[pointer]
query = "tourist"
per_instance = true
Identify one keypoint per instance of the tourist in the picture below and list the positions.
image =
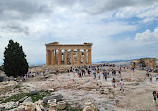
(114, 72)
(89, 72)
(85, 70)
(157, 77)
(119, 73)
(68, 71)
(121, 86)
(94, 73)
(120, 68)
(154, 96)
(24, 78)
(43, 72)
(105, 75)
(98, 73)
(147, 73)
(20, 81)
(82, 71)
(74, 72)
(80, 75)
(150, 78)
(113, 82)
(108, 71)
(133, 69)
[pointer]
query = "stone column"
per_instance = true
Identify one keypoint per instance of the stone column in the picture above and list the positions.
(85, 58)
(48, 57)
(55, 62)
(59, 57)
(65, 57)
(78, 57)
(52, 58)
(89, 57)
(72, 57)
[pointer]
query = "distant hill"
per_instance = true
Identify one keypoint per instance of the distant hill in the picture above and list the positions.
(118, 62)
(121, 62)
(114, 61)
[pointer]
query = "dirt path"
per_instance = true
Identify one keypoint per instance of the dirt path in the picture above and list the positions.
(139, 98)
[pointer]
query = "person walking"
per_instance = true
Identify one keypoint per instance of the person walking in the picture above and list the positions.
(98, 73)
(94, 73)
(113, 82)
(147, 73)
(121, 86)
(154, 97)
(68, 71)
(89, 72)
(105, 75)
(74, 72)
(150, 76)
(157, 77)
(119, 73)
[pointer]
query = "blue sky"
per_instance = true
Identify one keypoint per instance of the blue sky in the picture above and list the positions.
(118, 29)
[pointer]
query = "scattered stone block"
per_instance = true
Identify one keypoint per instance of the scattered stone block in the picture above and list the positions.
(22, 99)
(29, 99)
(61, 105)
(58, 97)
(33, 91)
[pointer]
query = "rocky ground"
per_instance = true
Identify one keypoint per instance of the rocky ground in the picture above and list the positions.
(77, 91)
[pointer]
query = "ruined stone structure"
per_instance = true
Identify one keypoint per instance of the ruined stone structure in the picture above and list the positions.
(143, 63)
(68, 54)
(149, 62)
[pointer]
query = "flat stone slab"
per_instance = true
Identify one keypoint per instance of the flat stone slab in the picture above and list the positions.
(58, 97)
(22, 99)
(29, 99)
(33, 91)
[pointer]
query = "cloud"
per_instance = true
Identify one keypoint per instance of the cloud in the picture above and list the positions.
(149, 15)
(15, 16)
(22, 9)
(96, 7)
(147, 36)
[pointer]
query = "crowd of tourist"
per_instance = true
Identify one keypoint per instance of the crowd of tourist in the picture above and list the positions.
(99, 72)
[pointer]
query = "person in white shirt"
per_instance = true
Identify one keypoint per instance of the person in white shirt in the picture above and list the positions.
(74, 72)
(121, 86)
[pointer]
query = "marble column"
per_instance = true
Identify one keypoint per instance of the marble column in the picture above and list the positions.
(55, 54)
(89, 57)
(78, 57)
(59, 57)
(85, 58)
(52, 58)
(48, 57)
(65, 57)
(72, 57)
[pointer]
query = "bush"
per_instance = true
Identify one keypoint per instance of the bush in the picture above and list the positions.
(35, 98)
(15, 97)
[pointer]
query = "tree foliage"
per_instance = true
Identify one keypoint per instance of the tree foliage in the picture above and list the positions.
(1, 68)
(15, 63)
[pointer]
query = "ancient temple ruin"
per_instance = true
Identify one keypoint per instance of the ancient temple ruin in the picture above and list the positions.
(68, 54)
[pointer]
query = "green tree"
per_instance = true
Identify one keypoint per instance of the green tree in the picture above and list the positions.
(1, 68)
(15, 63)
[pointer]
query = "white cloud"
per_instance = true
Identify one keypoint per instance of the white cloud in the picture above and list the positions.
(147, 36)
